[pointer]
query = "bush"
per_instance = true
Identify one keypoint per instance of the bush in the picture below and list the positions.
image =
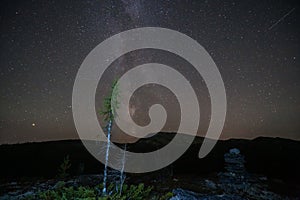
(167, 196)
(64, 167)
(132, 192)
(67, 193)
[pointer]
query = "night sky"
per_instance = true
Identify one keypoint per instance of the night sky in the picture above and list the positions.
(255, 45)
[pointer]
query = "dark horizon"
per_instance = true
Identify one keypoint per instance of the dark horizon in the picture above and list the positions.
(133, 141)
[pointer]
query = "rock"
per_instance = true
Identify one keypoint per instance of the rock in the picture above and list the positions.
(210, 184)
(6, 197)
(234, 165)
(236, 180)
(59, 185)
(89, 180)
(180, 194)
(26, 194)
(234, 151)
(263, 178)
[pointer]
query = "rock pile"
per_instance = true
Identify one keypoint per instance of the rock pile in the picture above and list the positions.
(237, 181)
(236, 173)
(234, 183)
(234, 162)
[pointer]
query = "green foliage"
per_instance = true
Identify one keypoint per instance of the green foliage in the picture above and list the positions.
(64, 167)
(66, 193)
(132, 192)
(167, 196)
(111, 103)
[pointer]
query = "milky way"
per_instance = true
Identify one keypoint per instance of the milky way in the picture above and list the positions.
(255, 45)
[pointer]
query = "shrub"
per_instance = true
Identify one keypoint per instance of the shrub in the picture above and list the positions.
(64, 167)
(132, 192)
(166, 196)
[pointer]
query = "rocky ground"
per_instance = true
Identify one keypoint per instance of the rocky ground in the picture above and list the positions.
(232, 183)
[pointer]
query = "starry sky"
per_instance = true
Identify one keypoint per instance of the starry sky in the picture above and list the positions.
(255, 45)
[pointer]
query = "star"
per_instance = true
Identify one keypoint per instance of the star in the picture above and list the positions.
(255, 48)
